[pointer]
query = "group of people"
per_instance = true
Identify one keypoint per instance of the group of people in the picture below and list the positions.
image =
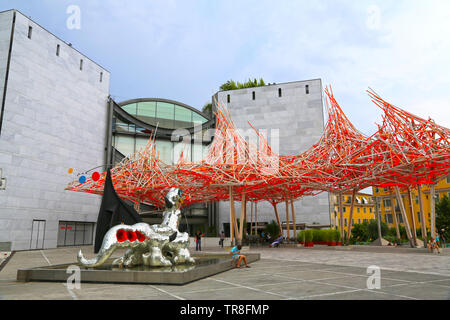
(435, 244)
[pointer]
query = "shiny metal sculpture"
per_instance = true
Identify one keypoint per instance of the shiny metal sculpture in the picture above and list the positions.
(158, 245)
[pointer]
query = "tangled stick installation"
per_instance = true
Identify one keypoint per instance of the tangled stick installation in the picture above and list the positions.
(405, 151)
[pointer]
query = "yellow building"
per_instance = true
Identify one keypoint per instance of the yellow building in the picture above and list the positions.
(383, 200)
(363, 210)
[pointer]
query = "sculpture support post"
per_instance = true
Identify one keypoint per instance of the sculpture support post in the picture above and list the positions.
(341, 217)
(293, 220)
(241, 221)
(405, 218)
(432, 212)
(394, 216)
(287, 221)
(413, 220)
(423, 223)
(278, 218)
(349, 230)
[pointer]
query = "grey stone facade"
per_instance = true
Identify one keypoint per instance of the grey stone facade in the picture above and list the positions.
(299, 118)
(54, 118)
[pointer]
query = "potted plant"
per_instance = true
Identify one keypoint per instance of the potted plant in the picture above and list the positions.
(338, 238)
(326, 236)
(301, 237)
(332, 238)
(309, 236)
(316, 236)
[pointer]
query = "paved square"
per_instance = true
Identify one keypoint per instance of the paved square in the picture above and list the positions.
(281, 274)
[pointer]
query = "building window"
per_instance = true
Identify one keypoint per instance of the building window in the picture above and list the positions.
(448, 179)
(279, 95)
(364, 210)
(418, 216)
(101, 76)
(30, 31)
(81, 64)
(307, 89)
(370, 210)
(228, 98)
(57, 50)
(357, 210)
(345, 222)
(377, 190)
(387, 203)
(253, 95)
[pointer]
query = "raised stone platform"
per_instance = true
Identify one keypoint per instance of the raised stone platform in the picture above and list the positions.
(206, 265)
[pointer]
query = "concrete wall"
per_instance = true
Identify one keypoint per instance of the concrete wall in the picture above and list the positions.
(299, 118)
(54, 119)
(6, 19)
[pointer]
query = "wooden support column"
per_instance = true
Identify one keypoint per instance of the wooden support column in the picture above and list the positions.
(405, 218)
(350, 217)
(278, 218)
(341, 217)
(293, 220)
(413, 219)
(256, 218)
(287, 221)
(251, 218)
(423, 220)
(394, 216)
(432, 212)
(233, 223)
(241, 221)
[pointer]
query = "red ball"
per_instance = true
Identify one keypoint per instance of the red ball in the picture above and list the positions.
(95, 176)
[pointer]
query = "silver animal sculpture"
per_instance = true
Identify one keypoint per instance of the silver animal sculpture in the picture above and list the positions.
(158, 245)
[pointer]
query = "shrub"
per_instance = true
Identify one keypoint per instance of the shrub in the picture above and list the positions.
(337, 235)
(327, 235)
(273, 229)
(301, 236)
(317, 234)
(309, 236)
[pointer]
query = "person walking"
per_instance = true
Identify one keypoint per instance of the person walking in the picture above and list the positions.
(198, 240)
(222, 238)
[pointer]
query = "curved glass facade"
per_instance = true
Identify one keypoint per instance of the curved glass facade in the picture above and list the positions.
(129, 137)
(164, 114)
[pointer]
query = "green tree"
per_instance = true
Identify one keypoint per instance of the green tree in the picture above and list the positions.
(232, 85)
(443, 216)
(372, 229)
(273, 229)
(207, 109)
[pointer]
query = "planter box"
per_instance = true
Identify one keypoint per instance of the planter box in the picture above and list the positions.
(332, 244)
(339, 243)
(309, 244)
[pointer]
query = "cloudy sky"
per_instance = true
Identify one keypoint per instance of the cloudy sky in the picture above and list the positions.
(184, 50)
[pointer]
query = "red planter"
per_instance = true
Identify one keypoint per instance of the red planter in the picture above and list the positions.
(332, 244)
(309, 244)
(301, 242)
(339, 243)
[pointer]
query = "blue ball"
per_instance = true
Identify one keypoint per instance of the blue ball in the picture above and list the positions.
(82, 179)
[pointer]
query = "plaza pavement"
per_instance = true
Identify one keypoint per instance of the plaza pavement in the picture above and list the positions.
(282, 273)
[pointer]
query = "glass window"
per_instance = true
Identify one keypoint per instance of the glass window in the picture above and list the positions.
(387, 202)
(165, 114)
(197, 152)
(141, 142)
(196, 118)
(165, 150)
(130, 108)
(183, 117)
(124, 144)
(146, 111)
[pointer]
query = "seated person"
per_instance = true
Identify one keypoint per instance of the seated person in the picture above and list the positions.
(277, 242)
(238, 257)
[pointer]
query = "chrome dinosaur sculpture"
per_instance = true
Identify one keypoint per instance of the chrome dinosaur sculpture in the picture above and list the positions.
(158, 245)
